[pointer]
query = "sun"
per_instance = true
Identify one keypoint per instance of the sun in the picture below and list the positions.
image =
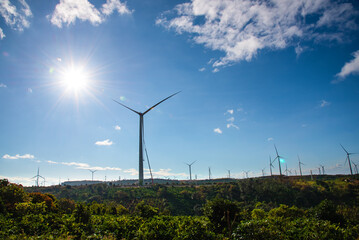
(75, 79)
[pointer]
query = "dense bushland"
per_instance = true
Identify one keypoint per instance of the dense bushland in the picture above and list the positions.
(271, 208)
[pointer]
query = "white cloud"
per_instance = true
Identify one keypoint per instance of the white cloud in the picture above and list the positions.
(76, 164)
(2, 35)
(86, 166)
(29, 90)
(217, 130)
(324, 103)
(2, 85)
(165, 173)
(202, 69)
(17, 19)
(67, 11)
(232, 125)
(106, 142)
(241, 28)
(230, 111)
(18, 156)
(112, 5)
(103, 168)
(270, 139)
(351, 67)
(131, 171)
(117, 127)
(231, 119)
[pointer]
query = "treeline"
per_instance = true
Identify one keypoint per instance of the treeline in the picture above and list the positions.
(188, 199)
(250, 209)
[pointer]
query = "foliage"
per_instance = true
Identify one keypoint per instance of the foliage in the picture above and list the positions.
(249, 209)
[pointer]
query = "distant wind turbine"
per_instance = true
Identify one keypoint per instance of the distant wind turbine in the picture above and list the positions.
(356, 167)
(271, 165)
(38, 176)
(286, 170)
(263, 171)
(190, 169)
(300, 167)
(141, 114)
(319, 171)
(279, 158)
(246, 173)
(323, 172)
(209, 173)
(348, 159)
(229, 173)
(92, 172)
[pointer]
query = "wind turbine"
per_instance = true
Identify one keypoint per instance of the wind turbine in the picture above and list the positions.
(38, 176)
(348, 158)
(356, 167)
(209, 173)
(92, 172)
(246, 173)
(319, 171)
(190, 169)
(323, 172)
(286, 170)
(229, 173)
(278, 157)
(142, 114)
(300, 167)
(263, 171)
(271, 165)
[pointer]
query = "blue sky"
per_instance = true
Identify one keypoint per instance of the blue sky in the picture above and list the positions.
(252, 74)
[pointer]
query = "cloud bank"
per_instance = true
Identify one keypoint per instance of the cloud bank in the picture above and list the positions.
(241, 28)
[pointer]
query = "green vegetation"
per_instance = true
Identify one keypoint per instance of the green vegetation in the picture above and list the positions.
(263, 208)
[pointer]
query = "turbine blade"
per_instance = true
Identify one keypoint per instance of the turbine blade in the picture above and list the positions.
(127, 107)
(193, 162)
(159, 103)
(344, 149)
(276, 150)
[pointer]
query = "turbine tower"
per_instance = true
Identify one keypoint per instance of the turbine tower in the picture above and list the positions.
(92, 172)
(246, 173)
(300, 167)
(190, 169)
(323, 172)
(263, 171)
(229, 173)
(38, 176)
(142, 114)
(209, 173)
(278, 157)
(356, 167)
(271, 165)
(348, 159)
